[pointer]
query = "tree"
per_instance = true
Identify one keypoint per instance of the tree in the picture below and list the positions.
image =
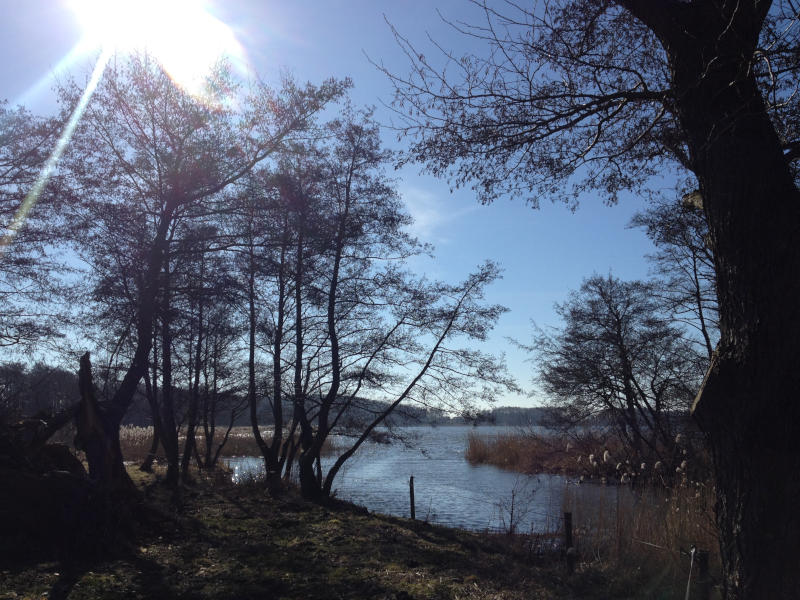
(27, 281)
(378, 331)
(264, 225)
(144, 142)
(619, 357)
(684, 266)
(222, 382)
(602, 95)
(331, 309)
(35, 390)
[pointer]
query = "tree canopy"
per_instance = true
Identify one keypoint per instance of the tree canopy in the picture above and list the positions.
(572, 97)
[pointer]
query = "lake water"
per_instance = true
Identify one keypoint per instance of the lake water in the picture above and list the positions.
(448, 490)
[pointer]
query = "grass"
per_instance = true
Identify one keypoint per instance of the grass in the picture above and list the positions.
(648, 532)
(216, 540)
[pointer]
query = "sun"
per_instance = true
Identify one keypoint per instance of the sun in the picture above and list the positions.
(183, 35)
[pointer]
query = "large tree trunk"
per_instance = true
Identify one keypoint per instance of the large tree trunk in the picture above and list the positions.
(748, 406)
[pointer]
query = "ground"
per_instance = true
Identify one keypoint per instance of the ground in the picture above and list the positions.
(222, 541)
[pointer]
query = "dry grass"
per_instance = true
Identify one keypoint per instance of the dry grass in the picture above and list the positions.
(646, 533)
(634, 535)
(136, 441)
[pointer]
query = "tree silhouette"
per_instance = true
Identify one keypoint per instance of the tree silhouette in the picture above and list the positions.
(619, 357)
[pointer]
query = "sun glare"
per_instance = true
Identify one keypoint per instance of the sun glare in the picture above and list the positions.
(182, 35)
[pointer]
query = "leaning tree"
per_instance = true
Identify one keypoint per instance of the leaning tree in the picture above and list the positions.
(574, 96)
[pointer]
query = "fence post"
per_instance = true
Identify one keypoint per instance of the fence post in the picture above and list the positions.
(411, 494)
(570, 549)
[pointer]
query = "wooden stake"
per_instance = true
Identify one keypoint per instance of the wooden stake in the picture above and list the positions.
(411, 494)
(570, 550)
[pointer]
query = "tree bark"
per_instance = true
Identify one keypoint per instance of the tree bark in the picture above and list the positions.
(273, 459)
(189, 446)
(308, 483)
(748, 406)
(151, 390)
(251, 356)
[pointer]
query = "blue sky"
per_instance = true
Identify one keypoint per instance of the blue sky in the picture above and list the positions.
(545, 253)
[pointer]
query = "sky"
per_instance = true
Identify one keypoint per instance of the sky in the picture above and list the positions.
(545, 253)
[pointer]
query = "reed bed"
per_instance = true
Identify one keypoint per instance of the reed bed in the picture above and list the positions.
(525, 452)
(642, 531)
(136, 441)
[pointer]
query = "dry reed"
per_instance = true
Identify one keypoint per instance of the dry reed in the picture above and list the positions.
(531, 453)
(136, 442)
(635, 533)
(646, 534)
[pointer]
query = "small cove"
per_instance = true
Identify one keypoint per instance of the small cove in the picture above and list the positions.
(448, 490)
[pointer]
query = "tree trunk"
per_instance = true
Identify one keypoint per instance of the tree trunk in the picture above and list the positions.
(273, 462)
(209, 402)
(169, 432)
(147, 464)
(748, 406)
(98, 435)
(151, 390)
(189, 447)
(251, 356)
(308, 483)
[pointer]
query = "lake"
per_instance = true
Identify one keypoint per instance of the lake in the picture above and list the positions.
(448, 490)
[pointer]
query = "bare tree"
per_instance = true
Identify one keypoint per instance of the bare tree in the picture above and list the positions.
(367, 327)
(684, 266)
(339, 319)
(573, 96)
(619, 358)
(28, 282)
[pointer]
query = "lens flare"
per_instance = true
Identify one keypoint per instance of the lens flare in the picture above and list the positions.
(47, 170)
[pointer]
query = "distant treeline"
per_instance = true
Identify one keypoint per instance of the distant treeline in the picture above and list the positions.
(26, 391)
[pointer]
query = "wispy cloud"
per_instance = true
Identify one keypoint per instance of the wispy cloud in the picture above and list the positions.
(431, 214)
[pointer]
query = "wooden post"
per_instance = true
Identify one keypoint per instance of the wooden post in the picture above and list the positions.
(411, 494)
(569, 548)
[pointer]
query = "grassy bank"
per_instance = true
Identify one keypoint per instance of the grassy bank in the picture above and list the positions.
(219, 541)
